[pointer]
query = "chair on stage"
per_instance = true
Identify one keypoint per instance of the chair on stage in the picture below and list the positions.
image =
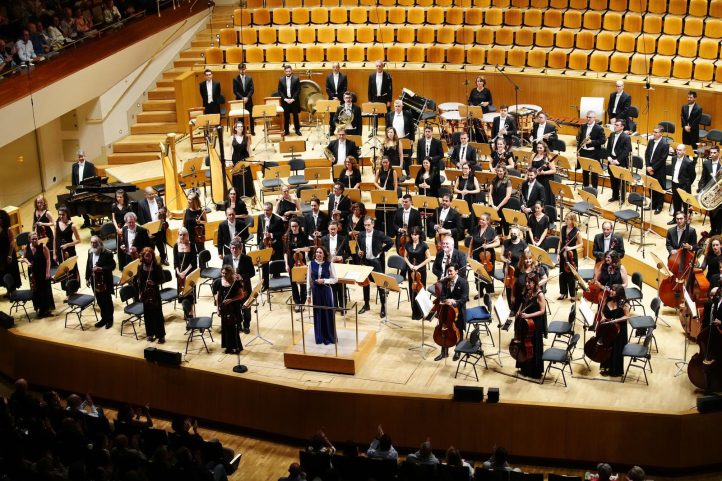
(195, 132)
(78, 302)
(277, 284)
(563, 329)
(550, 244)
(555, 355)
(398, 263)
(198, 327)
(133, 309)
(589, 207)
(480, 316)
(562, 477)
(18, 298)
(639, 355)
(168, 294)
(471, 352)
(634, 293)
(641, 324)
(208, 274)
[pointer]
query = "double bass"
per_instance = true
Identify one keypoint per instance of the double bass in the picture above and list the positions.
(705, 367)
(446, 334)
(680, 267)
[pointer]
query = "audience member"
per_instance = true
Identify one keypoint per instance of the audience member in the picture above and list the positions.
(26, 50)
(57, 38)
(635, 474)
(453, 458)
(381, 447)
(498, 461)
(604, 473)
(295, 473)
(424, 455)
(67, 24)
(111, 14)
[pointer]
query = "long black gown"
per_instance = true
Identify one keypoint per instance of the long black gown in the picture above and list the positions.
(497, 196)
(43, 301)
(243, 183)
(615, 365)
(535, 366)
(150, 296)
(231, 316)
(350, 181)
(416, 256)
(544, 180)
(537, 227)
(385, 212)
(65, 237)
(181, 261)
(45, 232)
(8, 266)
(190, 221)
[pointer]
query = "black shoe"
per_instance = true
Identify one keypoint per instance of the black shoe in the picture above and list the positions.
(161, 340)
(440, 357)
(109, 325)
(364, 309)
(165, 262)
(100, 324)
(613, 199)
(671, 222)
(456, 356)
(286, 132)
(476, 297)
(151, 339)
(383, 313)
(298, 132)
(246, 330)
(657, 211)
(253, 132)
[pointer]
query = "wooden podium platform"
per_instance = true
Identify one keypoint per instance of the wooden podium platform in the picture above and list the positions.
(319, 357)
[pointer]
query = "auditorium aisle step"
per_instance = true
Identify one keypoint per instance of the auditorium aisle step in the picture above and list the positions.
(162, 93)
(139, 143)
(159, 105)
(132, 157)
(153, 128)
(157, 116)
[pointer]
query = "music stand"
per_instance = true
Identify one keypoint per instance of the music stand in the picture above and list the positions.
(541, 256)
(152, 227)
(585, 287)
(591, 165)
(372, 110)
(425, 204)
(425, 306)
(240, 169)
(128, 272)
(259, 258)
(390, 201)
(502, 312)
(323, 108)
(516, 182)
(193, 168)
(515, 217)
(480, 209)
(308, 194)
(64, 269)
(625, 175)
(276, 173)
(461, 206)
(265, 112)
(252, 301)
(190, 283)
(317, 174)
(563, 193)
(480, 275)
(291, 147)
(387, 284)
(452, 174)
(651, 183)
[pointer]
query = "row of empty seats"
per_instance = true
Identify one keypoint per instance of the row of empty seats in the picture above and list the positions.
(577, 60)
(624, 42)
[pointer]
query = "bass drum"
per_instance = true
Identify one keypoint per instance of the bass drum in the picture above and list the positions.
(310, 94)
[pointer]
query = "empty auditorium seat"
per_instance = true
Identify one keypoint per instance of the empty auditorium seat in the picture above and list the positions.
(248, 36)
(435, 16)
(647, 44)
(456, 55)
(563, 39)
(314, 53)
(473, 16)
(606, 41)
(652, 24)
(454, 16)
(612, 21)
(358, 15)
(682, 68)
(241, 17)
(496, 56)
(598, 5)
(377, 15)
(516, 57)
(708, 48)
(301, 16)
(633, 22)
(325, 34)
(335, 53)
(435, 54)
(552, 18)
(619, 5)
(416, 54)
(661, 66)
(557, 59)
(306, 34)
(274, 54)
(599, 62)
(213, 56)
(294, 53)
(584, 40)
(572, 19)
(261, 16)
(281, 16)
(234, 55)
(339, 15)
(504, 36)
(355, 53)
(319, 15)
(592, 20)
(253, 54)
(541, 4)
(640, 64)
(559, 4)
(513, 17)
(693, 26)
(476, 56)
(406, 34)
(493, 16)
(672, 25)
(520, 3)
(524, 37)
(715, 9)
(619, 63)
(657, 6)
(465, 35)
(287, 35)
(485, 36)
(578, 4)
(396, 15)
(713, 28)
(703, 70)
(625, 42)
(375, 52)
(545, 38)
(425, 34)
(416, 16)
(667, 45)
(445, 34)
(228, 37)
(345, 34)
(533, 17)
(395, 54)
(687, 47)
(677, 7)
(536, 58)
(578, 60)
(385, 34)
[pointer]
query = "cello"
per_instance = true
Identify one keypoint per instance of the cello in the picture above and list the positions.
(521, 348)
(599, 347)
(705, 367)
(446, 334)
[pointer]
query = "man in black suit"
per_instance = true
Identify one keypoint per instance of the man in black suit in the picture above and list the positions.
(711, 168)
(430, 147)
(464, 153)
(343, 147)
(401, 121)
(243, 90)
(229, 230)
(336, 85)
(243, 267)
(590, 141)
(681, 236)
(211, 94)
(655, 158)
(149, 210)
(619, 148)
(543, 131)
(82, 170)
(691, 115)
(270, 226)
(531, 192)
(347, 106)
(446, 256)
(618, 105)
(406, 217)
(504, 125)
(135, 238)
(100, 267)
(371, 247)
(289, 89)
(607, 241)
(455, 293)
(316, 221)
(447, 221)
(380, 86)
(338, 251)
(339, 203)
(683, 174)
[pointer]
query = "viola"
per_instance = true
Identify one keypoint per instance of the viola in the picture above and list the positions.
(199, 231)
(417, 285)
(163, 217)
(509, 274)
(403, 239)
(100, 285)
(595, 292)
(446, 334)
(298, 259)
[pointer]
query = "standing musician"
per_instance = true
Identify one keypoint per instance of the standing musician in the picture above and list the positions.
(236, 203)
(211, 94)
(243, 179)
(607, 241)
(428, 180)
(655, 158)
(355, 222)
(681, 236)
(454, 292)
(431, 148)
(134, 239)
(8, 254)
(530, 317)
(464, 153)
(66, 238)
(371, 247)
(531, 191)
(417, 257)
(514, 248)
(270, 234)
(683, 175)
(406, 218)
(336, 86)
(611, 272)
(619, 147)
(243, 271)
(289, 89)
(467, 187)
(121, 206)
(619, 104)
(380, 87)
(504, 125)
(484, 241)
(99, 277)
(150, 209)
(528, 265)
(590, 140)
(147, 282)
(296, 246)
(348, 108)
(502, 155)
(546, 168)
(570, 242)
(243, 90)
(480, 95)
(446, 256)
(316, 221)
(195, 220)
(386, 179)
(615, 308)
(43, 224)
(287, 205)
(339, 204)
(350, 176)
(712, 258)
(228, 300)
(185, 261)
(342, 148)
(501, 190)
(710, 170)
(538, 224)
(543, 131)
(37, 258)
(401, 121)
(691, 115)
(230, 229)
(447, 221)
(82, 170)
(392, 147)
(338, 252)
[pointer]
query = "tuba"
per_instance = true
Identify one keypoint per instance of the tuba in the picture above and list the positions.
(710, 197)
(344, 119)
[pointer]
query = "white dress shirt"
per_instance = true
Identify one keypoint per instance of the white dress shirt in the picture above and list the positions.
(153, 207)
(81, 168)
(588, 135)
(616, 101)
(332, 241)
(131, 238)
(369, 247)
(379, 80)
(398, 124)
(288, 86)
(209, 89)
(677, 168)
(341, 157)
(540, 131)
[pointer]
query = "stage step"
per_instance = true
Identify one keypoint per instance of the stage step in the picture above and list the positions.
(187, 62)
(157, 116)
(192, 53)
(164, 83)
(153, 128)
(203, 43)
(156, 105)
(132, 157)
(172, 73)
(138, 143)
(162, 93)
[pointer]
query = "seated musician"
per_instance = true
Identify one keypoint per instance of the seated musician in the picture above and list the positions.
(417, 256)
(454, 292)
(151, 209)
(147, 283)
(270, 235)
(134, 239)
(504, 125)
(616, 307)
(484, 241)
(447, 220)
(529, 319)
(527, 265)
(532, 191)
(99, 277)
(348, 108)
(538, 224)
(543, 131)
(82, 170)
(316, 221)
(606, 241)
(343, 147)
(570, 242)
(500, 194)
(339, 204)
(350, 177)
(287, 205)
(372, 245)
(296, 242)
(185, 261)
(338, 250)
(464, 153)
(446, 256)
(431, 148)
(611, 272)
(681, 236)
(712, 257)
(502, 155)
(428, 180)
(243, 268)
(230, 229)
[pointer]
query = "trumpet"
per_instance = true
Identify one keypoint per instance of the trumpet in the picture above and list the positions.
(581, 144)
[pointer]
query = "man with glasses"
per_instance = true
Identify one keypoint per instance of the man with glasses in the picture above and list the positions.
(211, 94)
(229, 230)
(343, 147)
(371, 247)
(590, 141)
(681, 236)
(655, 158)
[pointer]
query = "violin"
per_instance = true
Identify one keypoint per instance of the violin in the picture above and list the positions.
(446, 334)
(403, 239)
(521, 347)
(509, 274)
(163, 217)
(298, 259)
(199, 231)
(569, 261)
(99, 281)
(148, 295)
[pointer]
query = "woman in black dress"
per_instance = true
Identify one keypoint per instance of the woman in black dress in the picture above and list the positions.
(531, 314)
(538, 224)
(484, 240)
(615, 308)
(43, 225)
(480, 95)
(234, 200)
(243, 181)
(500, 195)
(386, 179)
(350, 176)
(296, 241)
(546, 167)
(37, 257)
(513, 249)
(185, 261)
(527, 265)
(417, 257)
(121, 206)
(66, 238)
(287, 205)
(428, 180)
(228, 300)
(355, 223)
(392, 147)
(467, 187)
(611, 272)
(195, 220)
(712, 257)
(8, 256)
(148, 281)
(570, 242)
(502, 155)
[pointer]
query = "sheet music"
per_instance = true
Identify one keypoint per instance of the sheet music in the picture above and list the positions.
(586, 311)
(502, 309)
(423, 299)
(690, 303)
